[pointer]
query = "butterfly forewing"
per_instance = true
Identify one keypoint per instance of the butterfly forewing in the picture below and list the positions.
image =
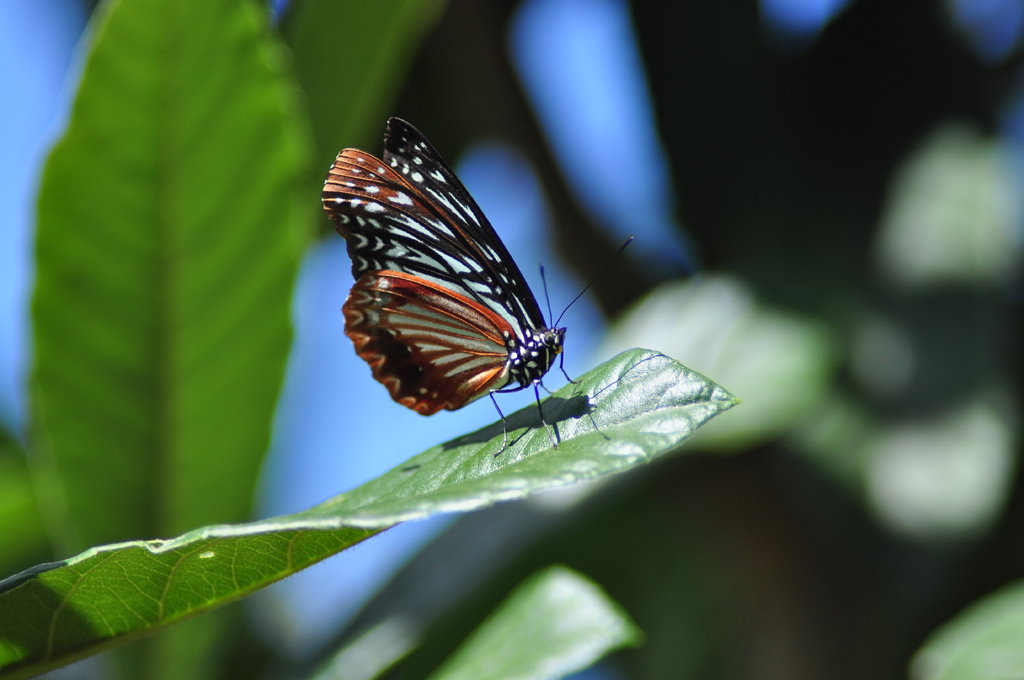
(411, 213)
(386, 224)
(409, 152)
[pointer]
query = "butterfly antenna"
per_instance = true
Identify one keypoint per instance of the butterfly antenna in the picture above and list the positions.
(599, 275)
(544, 282)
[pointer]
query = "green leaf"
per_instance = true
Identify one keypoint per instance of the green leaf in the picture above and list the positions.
(170, 230)
(23, 538)
(351, 60)
(780, 362)
(986, 642)
(556, 623)
(169, 237)
(643, 402)
(953, 212)
(62, 612)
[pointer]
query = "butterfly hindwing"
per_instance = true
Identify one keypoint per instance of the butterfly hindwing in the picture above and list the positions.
(431, 347)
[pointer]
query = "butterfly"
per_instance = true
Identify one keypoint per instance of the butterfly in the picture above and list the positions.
(439, 310)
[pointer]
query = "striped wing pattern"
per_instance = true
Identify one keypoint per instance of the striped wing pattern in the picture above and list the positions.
(439, 310)
(431, 347)
(410, 213)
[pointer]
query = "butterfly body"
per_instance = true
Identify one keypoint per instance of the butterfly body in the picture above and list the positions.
(439, 310)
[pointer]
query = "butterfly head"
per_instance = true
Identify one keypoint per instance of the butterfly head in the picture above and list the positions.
(553, 338)
(529, 360)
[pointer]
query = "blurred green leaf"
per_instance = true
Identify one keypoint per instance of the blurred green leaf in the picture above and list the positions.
(556, 623)
(372, 653)
(948, 476)
(23, 538)
(985, 642)
(835, 435)
(169, 237)
(170, 229)
(779, 363)
(642, 401)
(351, 59)
(954, 212)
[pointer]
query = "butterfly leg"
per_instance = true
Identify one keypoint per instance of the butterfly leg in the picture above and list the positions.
(561, 367)
(504, 425)
(540, 410)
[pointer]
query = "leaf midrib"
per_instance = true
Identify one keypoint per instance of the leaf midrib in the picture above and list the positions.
(167, 333)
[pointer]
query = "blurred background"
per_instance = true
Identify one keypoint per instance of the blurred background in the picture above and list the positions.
(829, 218)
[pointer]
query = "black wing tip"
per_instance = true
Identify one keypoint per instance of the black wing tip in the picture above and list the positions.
(401, 135)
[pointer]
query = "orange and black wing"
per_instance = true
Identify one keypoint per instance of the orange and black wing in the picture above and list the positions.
(431, 347)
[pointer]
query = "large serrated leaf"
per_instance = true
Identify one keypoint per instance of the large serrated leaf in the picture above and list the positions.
(643, 403)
